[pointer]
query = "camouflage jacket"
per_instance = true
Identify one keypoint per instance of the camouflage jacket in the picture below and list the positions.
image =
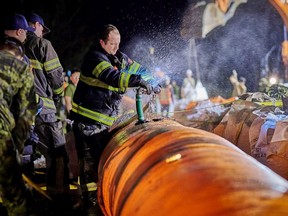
(17, 99)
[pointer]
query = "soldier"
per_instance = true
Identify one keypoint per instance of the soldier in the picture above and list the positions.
(17, 111)
(16, 26)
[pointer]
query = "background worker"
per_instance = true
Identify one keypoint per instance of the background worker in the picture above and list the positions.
(70, 89)
(166, 99)
(49, 79)
(239, 86)
(69, 93)
(106, 73)
(242, 86)
(188, 92)
(17, 111)
(176, 90)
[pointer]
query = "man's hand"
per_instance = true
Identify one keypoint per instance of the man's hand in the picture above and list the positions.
(146, 85)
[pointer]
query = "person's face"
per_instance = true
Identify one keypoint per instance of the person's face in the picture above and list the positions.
(75, 78)
(38, 29)
(21, 35)
(112, 44)
(223, 5)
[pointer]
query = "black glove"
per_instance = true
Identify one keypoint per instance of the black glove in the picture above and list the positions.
(146, 85)
(34, 138)
(157, 89)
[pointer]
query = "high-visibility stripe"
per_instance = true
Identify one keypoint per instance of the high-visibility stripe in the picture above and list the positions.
(52, 64)
(36, 64)
(271, 103)
(124, 80)
(59, 91)
(134, 67)
(107, 120)
(48, 103)
(37, 98)
(48, 66)
(92, 186)
(97, 83)
(101, 67)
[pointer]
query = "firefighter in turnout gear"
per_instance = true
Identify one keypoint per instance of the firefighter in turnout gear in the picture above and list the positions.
(49, 80)
(106, 73)
(17, 111)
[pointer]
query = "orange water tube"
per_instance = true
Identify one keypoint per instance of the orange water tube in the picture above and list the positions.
(215, 100)
(164, 168)
(282, 8)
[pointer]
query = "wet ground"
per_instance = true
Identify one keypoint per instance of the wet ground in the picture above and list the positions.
(44, 207)
(64, 206)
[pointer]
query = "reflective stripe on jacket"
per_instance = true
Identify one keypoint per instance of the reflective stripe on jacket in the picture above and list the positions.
(47, 70)
(103, 80)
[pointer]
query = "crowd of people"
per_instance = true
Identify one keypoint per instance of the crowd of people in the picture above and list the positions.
(32, 92)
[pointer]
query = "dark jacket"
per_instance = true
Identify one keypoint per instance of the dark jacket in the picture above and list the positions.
(103, 81)
(47, 70)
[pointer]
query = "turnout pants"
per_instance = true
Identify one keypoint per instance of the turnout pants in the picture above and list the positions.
(52, 145)
(90, 141)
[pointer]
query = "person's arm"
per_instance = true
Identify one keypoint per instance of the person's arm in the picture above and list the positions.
(68, 95)
(68, 103)
(54, 69)
(24, 108)
(122, 78)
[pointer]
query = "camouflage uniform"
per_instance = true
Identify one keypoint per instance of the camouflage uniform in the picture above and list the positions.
(17, 110)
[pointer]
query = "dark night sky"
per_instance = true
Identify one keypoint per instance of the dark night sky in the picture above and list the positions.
(240, 44)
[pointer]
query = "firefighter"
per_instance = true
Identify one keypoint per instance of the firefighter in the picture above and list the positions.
(49, 81)
(106, 73)
(17, 111)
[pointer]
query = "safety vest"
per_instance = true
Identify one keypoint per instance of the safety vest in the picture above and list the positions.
(165, 96)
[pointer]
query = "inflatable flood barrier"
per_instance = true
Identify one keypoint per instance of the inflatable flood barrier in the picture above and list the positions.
(164, 168)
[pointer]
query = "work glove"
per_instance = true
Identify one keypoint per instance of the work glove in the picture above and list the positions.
(146, 85)
(33, 138)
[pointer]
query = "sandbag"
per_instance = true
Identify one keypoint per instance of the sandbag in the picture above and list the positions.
(235, 125)
(277, 152)
(262, 130)
(260, 135)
